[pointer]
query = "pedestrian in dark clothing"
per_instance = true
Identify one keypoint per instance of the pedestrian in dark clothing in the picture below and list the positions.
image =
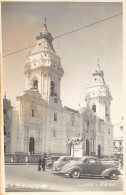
(43, 163)
(39, 164)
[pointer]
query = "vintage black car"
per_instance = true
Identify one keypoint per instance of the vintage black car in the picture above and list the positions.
(90, 166)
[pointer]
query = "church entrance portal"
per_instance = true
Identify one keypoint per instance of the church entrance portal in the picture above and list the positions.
(31, 145)
(87, 147)
(99, 151)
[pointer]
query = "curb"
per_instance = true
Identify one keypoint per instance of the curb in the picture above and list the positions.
(21, 163)
(16, 186)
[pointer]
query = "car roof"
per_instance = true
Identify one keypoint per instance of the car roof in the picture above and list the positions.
(89, 157)
(55, 156)
(70, 157)
(78, 157)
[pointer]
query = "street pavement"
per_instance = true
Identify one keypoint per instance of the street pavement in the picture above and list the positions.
(27, 178)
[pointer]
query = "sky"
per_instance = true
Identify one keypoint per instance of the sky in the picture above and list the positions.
(79, 51)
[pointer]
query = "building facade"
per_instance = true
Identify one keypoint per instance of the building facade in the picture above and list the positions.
(118, 147)
(40, 123)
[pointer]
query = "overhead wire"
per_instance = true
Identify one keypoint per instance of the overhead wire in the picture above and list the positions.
(87, 26)
(66, 33)
(20, 50)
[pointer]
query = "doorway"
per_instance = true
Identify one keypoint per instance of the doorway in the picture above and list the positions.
(99, 151)
(31, 145)
(87, 147)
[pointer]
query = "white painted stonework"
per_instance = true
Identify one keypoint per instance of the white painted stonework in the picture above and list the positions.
(41, 124)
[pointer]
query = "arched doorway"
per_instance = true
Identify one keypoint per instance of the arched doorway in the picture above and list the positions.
(87, 147)
(99, 151)
(31, 145)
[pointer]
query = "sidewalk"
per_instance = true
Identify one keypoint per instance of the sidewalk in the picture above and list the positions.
(15, 163)
(121, 170)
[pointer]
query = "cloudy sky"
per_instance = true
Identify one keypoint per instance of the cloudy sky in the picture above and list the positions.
(79, 51)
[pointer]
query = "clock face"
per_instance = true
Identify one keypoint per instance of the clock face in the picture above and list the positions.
(55, 100)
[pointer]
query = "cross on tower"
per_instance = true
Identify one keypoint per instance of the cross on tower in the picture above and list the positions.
(5, 95)
(98, 65)
(98, 61)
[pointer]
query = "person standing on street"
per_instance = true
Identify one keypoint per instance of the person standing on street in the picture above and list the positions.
(43, 163)
(39, 164)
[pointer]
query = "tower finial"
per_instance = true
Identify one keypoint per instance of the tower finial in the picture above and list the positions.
(44, 21)
(98, 62)
(5, 95)
(98, 65)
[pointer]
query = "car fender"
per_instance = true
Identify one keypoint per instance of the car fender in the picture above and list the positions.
(76, 167)
(106, 172)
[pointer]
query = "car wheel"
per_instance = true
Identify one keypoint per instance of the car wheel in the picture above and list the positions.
(75, 173)
(114, 175)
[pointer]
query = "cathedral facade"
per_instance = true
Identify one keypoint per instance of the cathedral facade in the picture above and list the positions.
(40, 123)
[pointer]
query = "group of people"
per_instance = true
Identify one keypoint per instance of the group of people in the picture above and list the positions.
(41, 164)
(121, 163)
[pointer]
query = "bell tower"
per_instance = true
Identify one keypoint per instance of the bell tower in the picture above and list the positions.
(98, 96)
(43, 70)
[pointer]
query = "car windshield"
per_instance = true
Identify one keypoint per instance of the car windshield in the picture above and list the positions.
(75, 158)
(67, 158)
(81, 159)
(61, 158)
(107, 159)
(54, 158)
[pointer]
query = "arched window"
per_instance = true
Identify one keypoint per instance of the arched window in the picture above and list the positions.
(94, 108)
(4, 148)
(54, 133)
(55, 116)
(33, 113)
(106, 111)
(35, 84)
(52, 88)
(5, 130)
(4, 111)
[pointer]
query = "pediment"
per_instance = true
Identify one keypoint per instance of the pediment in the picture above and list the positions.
(88, 112)
(32, 96)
